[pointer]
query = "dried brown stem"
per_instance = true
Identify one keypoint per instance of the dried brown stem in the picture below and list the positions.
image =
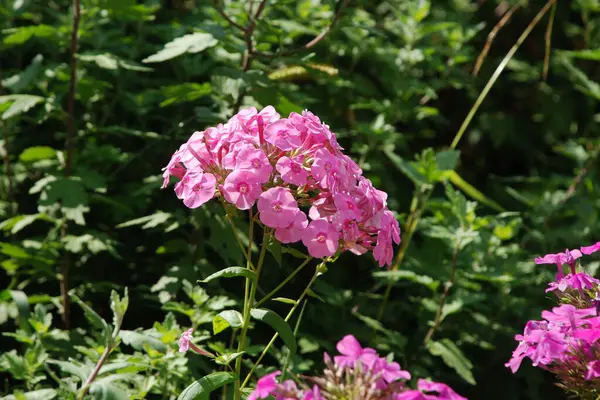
(64, 273)
(491, 36)
(548, 41)
(227, 18)
(447, 286)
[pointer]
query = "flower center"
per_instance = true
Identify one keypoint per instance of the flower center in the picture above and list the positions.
(277, 206)
(327, 166)
(321, 237)
(350, 205)
(256, 163)
(295, 168)
(243, 187)
(196, 187)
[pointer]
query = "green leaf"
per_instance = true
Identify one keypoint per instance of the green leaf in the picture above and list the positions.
(193, 43)
(139, 340)
(22, 302)
(278, 324)
(226, 359)
(274, 248)
(226, 319)
(471, 191)
(447, 159)
(23, 34)
(284, 300)
(20, 103)
(19, 82)
(37, 153)
(94, 319)
(406, 168)
(293, 252)
(119, 307)
(395, 275)
(42, 394)
(149, 221)
(453, 357)
(231, 272)
(107, 391)
(80, 371)
(202, 388)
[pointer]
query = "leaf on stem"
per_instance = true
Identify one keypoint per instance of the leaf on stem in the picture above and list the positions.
(231, 272)
(278, 324)
(226, 319)
(201, 389)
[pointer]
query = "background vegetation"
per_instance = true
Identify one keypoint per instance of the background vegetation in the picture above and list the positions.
(81, 208)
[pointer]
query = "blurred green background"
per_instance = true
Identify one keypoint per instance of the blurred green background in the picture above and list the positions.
(394, 79)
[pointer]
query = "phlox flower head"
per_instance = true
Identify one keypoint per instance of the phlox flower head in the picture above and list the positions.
(296, 174)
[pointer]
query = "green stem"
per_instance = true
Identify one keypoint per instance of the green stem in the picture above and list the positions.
(287, 318)
(289, 354)
(498, 72)
(239, 241)
(285, 281)
(248, 304)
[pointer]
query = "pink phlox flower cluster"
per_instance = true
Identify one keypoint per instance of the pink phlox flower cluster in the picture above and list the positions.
(428, 390)
(568, 257)
(384, 379)
(563, 330)
(578, 281)
(285, 165)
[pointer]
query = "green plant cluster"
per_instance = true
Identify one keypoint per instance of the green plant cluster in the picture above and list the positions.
(479, 119)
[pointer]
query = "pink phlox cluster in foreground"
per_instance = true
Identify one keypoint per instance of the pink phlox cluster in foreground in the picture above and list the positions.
(287, 166)
(378, 379)
(567, 340)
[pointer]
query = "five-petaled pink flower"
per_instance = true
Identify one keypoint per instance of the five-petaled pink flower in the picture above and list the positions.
(241, 188)
(292, 171)
(265, 386)
(199, 189)
(252, 159)
(283, 134)
(321, 238)
(278, 208)
(294, 231)
(351, 351)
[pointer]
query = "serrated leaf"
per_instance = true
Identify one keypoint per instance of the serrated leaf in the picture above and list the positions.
(453, 357)
(192, 43)
(408, 170)
(107, 391)
(278, 324)
(94, 319)
(202, 388)
(119, 307)
(139, 340)
(226, 319)
(20, 103)
(22, 302)
(42, 394)
(231, 272)
(226, 359)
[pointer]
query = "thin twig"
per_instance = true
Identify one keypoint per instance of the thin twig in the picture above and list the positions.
(224, 15)
(447, 286)
(492, 35)
(498, 72)
(86, 385)
(582, 173)
(548, 41)
(64, 273)
(312, 42)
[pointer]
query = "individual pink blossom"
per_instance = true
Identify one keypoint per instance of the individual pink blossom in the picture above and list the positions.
(199, 189)
(444, 391)
(294, 231)
(241, 188)
(292, 171)
(265, 386)
(313, 394)
(324, 165)
(568, 257)
(593, 370)
(351, 351)
(278, 208)
(252, 159)
(283, 135)
(184, 340)
(579, 281)
(383, 252)
(346, 206)
(321, 238)
(587, 250)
